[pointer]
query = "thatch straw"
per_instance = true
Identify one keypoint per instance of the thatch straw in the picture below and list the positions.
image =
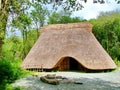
(74, 40)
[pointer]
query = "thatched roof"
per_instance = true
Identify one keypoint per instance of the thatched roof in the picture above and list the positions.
(74, 40)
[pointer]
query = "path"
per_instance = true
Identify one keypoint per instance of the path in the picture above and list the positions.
(91, 81)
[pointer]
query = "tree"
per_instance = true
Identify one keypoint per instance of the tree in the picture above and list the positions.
(12, 48)
(57, 18)
(32, 37)
(107, 30)
(3, 17)
(105, 1)
(7, 6)
(22, 23)
(38, 15)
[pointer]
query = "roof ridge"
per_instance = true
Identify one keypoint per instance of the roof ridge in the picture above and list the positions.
(85, 25)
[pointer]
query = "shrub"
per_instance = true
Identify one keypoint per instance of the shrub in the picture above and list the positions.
(9, 72)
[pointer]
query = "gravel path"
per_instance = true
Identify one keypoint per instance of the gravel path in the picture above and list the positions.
(91, 81)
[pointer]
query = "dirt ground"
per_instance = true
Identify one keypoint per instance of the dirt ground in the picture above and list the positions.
(90, 81)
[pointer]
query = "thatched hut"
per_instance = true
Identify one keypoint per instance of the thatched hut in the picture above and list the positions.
(68, 47)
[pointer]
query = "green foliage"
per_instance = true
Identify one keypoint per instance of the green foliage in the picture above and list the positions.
(12, 47)
(39, 14)
(57, 18)
(22, 21)
(31, 39)
(9, 7)
(26, 21)
(117, 62)
(9, 72)
(107, 30)
(9, 87)
(18, 88)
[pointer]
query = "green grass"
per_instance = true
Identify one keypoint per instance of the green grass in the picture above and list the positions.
(9, 87)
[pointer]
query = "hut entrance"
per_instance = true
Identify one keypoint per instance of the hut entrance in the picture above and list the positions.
(73, 64)
(68, 63)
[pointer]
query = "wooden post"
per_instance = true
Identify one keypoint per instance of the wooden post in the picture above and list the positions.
(42, 68)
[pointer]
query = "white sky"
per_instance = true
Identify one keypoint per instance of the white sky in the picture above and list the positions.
(91, 10)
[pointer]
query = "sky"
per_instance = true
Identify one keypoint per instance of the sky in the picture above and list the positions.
(91, 11)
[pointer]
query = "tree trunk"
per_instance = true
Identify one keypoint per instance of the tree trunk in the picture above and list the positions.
(1, 43)
(4, 6)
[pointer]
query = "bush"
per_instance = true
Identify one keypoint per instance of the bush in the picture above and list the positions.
(117, 62)
(9, 72)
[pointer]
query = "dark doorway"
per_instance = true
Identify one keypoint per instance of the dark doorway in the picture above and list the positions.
(74, 65)
(68, 63)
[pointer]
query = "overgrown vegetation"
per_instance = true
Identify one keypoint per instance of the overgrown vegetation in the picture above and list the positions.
(107, 31)
(9, 72)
